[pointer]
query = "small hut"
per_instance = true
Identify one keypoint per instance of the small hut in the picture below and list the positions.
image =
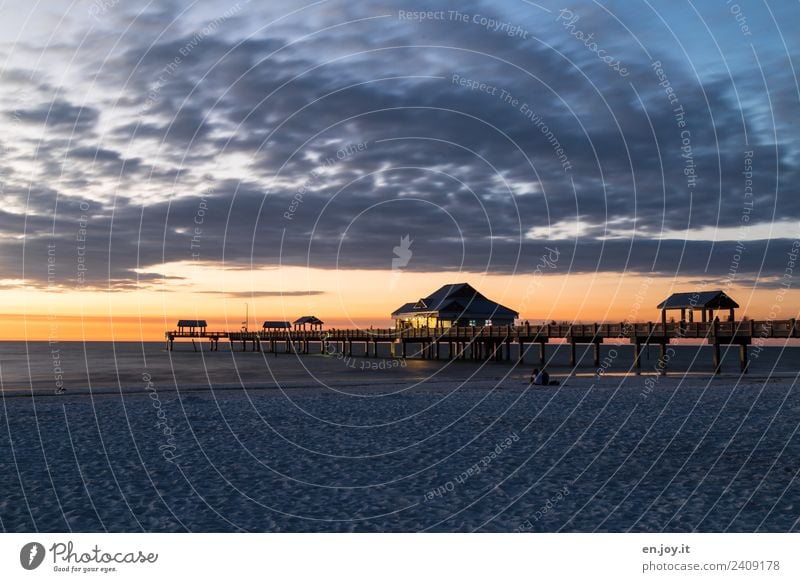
(308, 321)
(276, 325)
(192, 325)
(706, 302)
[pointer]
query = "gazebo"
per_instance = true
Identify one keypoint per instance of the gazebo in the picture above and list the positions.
(313, 323)
(704, 301)
(192, 324)
(276, 325)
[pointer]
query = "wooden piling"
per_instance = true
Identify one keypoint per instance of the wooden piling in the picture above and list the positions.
(716, 357)
(743, 363)
(637, 356)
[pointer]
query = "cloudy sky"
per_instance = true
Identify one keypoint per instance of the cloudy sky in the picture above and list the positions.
(178, 159)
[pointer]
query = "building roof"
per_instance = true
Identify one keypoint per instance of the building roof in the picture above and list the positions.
(698, 300)
(456, 300)
(276, 325)
(310, 319)
(192, 323)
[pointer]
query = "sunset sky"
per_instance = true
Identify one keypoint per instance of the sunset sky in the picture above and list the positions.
(180, 160)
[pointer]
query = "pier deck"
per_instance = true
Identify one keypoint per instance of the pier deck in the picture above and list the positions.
(494, 342)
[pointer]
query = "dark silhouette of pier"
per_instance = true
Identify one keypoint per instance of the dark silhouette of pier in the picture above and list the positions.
(494, 342)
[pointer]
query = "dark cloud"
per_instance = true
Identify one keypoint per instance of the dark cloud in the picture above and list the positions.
(255, 293)
(322, 143)
(59, 114)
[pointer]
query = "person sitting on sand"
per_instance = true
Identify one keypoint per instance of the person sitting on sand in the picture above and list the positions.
(543, 379)
(536, 377)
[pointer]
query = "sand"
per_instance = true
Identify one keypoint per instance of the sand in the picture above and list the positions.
(178, 443)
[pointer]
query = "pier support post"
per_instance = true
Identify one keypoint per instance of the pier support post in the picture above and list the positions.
(716, 358)
(541, 353)
(637, 356)
(521, 355)
(404, 349)
(662, 358)
(596, 354)
(743, 363)
(572, 350)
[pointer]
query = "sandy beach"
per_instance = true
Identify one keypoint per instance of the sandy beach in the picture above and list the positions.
(158, 441)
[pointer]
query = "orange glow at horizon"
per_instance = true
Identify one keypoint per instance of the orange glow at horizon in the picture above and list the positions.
(341, 298)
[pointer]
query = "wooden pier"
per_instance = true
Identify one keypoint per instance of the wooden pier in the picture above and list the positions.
(495, 342)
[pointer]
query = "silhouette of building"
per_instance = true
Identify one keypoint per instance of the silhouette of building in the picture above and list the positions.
(308, 321)
(192, 325)
(457, 304)
(704, 301)
(276, 325)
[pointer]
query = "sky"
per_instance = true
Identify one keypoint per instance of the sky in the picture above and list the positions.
(581, 161)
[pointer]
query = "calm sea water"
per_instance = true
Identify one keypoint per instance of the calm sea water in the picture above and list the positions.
(104, 366)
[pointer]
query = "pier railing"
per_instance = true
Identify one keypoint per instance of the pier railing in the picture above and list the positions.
(582, 332)
(496, 341)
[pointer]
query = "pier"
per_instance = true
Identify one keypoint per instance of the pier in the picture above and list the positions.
(495, 342)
